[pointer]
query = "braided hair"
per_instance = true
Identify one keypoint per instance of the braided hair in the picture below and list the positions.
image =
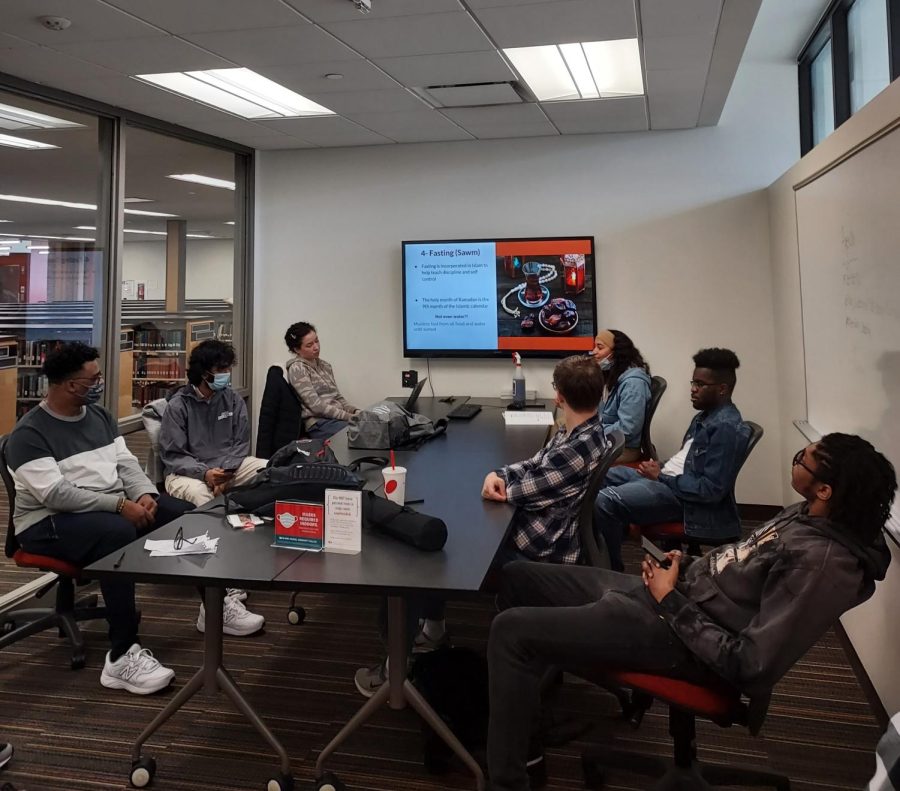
(862, 483)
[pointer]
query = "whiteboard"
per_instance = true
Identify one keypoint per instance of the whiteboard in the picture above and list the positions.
(848, 226)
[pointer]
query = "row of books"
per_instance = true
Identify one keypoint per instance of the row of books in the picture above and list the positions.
(31, 386)
(142, 393)
(160, 340)
(35, 352)
(152, 367)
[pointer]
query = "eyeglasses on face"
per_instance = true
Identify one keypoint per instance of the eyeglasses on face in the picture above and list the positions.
(697, 384)
(92, 379)
(797, 461)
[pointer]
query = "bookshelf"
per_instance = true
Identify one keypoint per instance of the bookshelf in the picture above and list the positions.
(9, 374)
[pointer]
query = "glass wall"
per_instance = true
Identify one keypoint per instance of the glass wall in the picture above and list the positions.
(51, 267)
(867, 34)
(822, 94)
(178, 260)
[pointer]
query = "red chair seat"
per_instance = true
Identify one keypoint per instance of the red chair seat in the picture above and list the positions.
(716, 700)
(45, 563)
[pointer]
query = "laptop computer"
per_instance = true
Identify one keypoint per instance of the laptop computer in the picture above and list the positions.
(414, 395)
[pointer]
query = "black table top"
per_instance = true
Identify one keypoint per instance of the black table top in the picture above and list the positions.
(446, 473)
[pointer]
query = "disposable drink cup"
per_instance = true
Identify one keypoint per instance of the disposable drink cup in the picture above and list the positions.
(395, 484)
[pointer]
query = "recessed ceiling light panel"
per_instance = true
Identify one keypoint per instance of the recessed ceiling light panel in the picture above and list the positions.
(208, 181)
(12, 141)
(19, 118)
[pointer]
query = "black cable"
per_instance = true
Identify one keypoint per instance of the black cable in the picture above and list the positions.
(430, 380)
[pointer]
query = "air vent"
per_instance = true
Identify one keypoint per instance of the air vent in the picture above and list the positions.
(474, 95)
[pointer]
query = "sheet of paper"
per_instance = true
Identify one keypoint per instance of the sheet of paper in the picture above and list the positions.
(343, 521)
(528, 417)
(196, 545)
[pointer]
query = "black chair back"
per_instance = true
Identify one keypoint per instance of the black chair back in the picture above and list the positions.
(593, 550)
(11, 544)
(658, 386)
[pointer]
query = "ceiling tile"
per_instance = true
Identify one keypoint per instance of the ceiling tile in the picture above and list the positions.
(332, 131)
(559, 23)
(270, 143)
(413, 127)
(474, 95)
(91, 21)
(678, 52)
(358, 75)
(476, 4)
(331, 11)
(674, 97)
(423, 34)
(508, 120)
(685, 18)
(146, 55)
(624, 114)
(418, 71)
(49, 67)
(193, 16)
(349, 103)
(275, 46)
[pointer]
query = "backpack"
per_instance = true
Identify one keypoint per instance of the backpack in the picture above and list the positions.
(455, 682)
(389, 425)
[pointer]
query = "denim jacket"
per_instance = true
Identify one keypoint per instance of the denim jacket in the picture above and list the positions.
(626, 406)
(706, 487)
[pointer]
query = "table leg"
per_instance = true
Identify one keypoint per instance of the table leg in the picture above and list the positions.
(398, 692)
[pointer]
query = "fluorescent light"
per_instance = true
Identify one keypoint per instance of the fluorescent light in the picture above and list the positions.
(209, 181)
(40, 247)
(18, 118)
(48, 202)
(138, 200)
(148, 233)
(589, 70)
(200, 236)
(238, 91)
(227, 222)
(45, 236)
(5, 220)
(149, 213)
(20, 142)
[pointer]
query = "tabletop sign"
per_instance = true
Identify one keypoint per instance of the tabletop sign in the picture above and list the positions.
(299, 525)
(343, 521)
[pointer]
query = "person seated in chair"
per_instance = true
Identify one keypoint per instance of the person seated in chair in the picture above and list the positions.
(626, 389)
(81, 495)
(745, 612)
(204, 444)
(696, 485)
(326, 410)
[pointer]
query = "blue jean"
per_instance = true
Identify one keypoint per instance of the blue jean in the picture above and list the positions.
(629, 498)
(323, 429)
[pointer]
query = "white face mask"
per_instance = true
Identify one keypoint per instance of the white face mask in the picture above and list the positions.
(606, 363)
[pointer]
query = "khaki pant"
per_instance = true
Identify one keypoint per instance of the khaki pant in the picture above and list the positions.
(197, 492)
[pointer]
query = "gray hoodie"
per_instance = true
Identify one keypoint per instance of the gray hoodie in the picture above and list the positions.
(750, 610)
(199, 434)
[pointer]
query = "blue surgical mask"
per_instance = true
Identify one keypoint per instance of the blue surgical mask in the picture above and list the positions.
(94, 393)
(220, 381)
(606, 363)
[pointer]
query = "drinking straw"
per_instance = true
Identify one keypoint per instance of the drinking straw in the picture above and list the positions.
(393, 466)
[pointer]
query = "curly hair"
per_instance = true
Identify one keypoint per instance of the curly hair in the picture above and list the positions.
(296, 333)
(67, 359)
(862, 480)
(722, 362)
(209, 355)
(625, 355)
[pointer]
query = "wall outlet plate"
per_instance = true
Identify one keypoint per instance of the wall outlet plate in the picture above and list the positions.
(410, 378)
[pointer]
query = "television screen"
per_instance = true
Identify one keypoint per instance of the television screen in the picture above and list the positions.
(492, 297)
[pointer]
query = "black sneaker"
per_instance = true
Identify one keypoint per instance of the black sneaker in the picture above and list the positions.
(536, 767)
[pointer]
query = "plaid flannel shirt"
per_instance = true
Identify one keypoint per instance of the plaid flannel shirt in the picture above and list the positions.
(887, 759)
(548, 489)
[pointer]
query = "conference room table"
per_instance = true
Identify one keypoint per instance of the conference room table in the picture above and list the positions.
(445, 474)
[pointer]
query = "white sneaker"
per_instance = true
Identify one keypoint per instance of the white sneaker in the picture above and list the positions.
(137, 671)
(236, 619)
(236, 593)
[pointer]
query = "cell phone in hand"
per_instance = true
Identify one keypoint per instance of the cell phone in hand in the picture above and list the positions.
(655, 552)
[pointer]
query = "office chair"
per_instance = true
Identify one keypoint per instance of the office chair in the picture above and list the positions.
(711, 698)
(67, 612)
(593, 552)
(671, 535)
(658, 386)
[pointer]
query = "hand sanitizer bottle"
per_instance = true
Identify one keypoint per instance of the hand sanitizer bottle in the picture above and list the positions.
(518, 384)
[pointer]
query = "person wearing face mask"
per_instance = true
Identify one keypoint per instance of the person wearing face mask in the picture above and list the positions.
(626, 389)
(325, 410)
(81, 495)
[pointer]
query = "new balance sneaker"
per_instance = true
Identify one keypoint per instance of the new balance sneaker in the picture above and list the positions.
(236, 593)
(369, 680)
(6, 753)
(137, 671)
(237, 620)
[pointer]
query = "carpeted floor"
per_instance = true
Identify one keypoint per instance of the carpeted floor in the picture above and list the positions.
(72, 734)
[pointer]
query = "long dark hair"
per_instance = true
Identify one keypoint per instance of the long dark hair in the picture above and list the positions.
(862, 483)
(625, 355)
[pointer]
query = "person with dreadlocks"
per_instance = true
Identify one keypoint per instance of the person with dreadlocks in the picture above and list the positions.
(745, 611)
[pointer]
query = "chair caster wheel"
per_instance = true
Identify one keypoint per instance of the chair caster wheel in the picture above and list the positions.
(8, 627)
(281, 783)
(328, 781)
(142, 771)
(77, 662)
(296, 615)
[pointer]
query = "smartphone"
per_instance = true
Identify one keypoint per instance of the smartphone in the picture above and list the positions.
(655, 552)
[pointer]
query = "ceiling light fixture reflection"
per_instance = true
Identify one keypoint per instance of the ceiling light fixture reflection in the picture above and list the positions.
(19, 118)
(48, 202)
(144, 213)
(148, 233)
(11, 141)
(45, 236)
(208, 181)
(138, 200)
(589, 70)
(238, 91)
(229, 222)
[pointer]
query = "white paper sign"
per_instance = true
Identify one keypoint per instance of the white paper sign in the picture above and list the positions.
(528, 417)
(343, 521)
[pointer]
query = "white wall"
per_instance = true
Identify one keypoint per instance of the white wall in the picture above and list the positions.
(209, 268)
(680, 225)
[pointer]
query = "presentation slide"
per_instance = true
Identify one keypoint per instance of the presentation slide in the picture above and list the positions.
(485, 297)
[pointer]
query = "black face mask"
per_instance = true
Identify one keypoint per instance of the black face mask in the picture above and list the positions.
(93, 393)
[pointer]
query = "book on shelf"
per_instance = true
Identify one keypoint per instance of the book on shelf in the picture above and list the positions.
(155, 340)
(35, 352)
(148, 366)
(31, 385)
